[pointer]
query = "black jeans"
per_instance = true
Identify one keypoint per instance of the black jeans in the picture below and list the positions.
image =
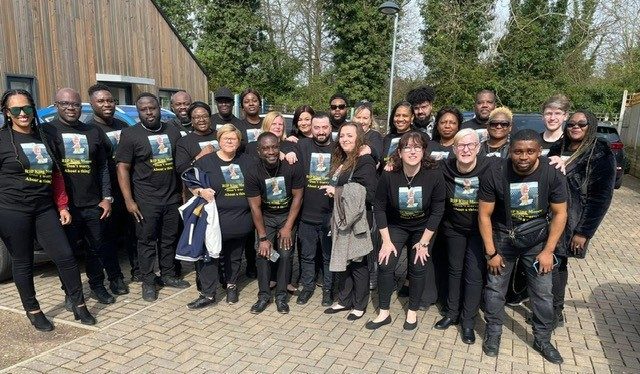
(540, 293)
(560, 278)
(158, 228)
(207, 271)
(121, 232)
(273, 223)
(466, 262)
(310, 236)
(100, 253)
(415, 272)
(18, 230)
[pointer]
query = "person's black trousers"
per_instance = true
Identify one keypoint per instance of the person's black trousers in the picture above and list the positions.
(231, 259)
(18, 230)
(250, 252)
(467, 268)
(273, 223)
(121, 233)
(353, 285)
(416, 272)
(311, 236)
(159, 227)
(560, 278)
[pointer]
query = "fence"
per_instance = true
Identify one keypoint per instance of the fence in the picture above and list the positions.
(630, 132)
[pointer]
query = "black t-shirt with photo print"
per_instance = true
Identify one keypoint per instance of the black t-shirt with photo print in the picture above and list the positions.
(188, 147)
(439, 152)
(82, 149)
(217, 121)
(529, 195)
(112, 134)
(25, 172)
(151, 156)
(274, 185)
(286, 146)
(461, 205)
(250, 131)
(415, 206)
(316, 161)
(228, 181)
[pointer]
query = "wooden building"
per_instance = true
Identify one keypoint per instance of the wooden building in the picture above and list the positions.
(128, 45)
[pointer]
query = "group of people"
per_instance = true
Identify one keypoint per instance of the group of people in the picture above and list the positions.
(466, 201)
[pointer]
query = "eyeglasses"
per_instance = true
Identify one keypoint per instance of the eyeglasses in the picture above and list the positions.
(576, 124)
(68, 104)
(409, 149)
(16, 110)
(199, 118)
(499, 123)
(341, 107)
(470, 146)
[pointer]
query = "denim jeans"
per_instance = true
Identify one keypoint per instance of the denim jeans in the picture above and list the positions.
(540, 292)
(310, 235)
(273, 223)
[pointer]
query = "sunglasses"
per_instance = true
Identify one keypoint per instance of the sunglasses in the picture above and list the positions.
(500, 123)
(334, 107)
(577, 124)
(16, 110)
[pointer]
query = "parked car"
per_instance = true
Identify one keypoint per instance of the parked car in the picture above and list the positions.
(607, 131)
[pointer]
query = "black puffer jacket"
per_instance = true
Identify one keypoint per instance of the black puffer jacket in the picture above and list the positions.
(590, 192)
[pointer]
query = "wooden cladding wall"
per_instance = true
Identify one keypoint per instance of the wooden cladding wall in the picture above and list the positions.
(65, 43)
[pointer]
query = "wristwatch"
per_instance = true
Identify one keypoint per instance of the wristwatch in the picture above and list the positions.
(489, 257)
(108, 198)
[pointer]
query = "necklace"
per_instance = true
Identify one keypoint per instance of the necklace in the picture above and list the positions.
(151, 130)
(267, 170)
(409, 181)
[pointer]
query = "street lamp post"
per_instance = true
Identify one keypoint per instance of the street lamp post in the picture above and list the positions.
(391, 8)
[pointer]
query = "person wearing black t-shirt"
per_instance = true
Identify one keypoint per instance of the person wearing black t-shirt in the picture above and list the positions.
(421, 99)
(82, 150)
(460, 235)
(484, 104)
(224, 102)
(338, 105)
(349, 165)
(251, 126)
(227, 170)
(448, 120)
(120, 226)
(408, 208)
(524, 189)
(273, 122)
(30, 183)
(198, 143)
(150, 188)
(555, 111)
(180, 103)
(316, 210)
(498, 127)
(363, 115)
(274, 189)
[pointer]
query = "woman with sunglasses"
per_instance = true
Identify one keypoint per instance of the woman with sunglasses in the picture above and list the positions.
(498, 128)
(30, 183)
(590, 169)
(408, 208)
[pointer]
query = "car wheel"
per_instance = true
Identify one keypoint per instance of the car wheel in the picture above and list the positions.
(618, 183)
(5, 262)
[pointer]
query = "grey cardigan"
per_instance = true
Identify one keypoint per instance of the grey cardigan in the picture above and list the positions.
(350, 233)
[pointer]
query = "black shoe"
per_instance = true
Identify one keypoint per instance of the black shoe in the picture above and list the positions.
(252, 273)
(445, 323)
(558, 320)
(376, 325)
(260, 306)
(410, 326)
(102, 295)
(174, 282)
(177, 268)
(40, 321)
(327, 300)
(304, 297)
(353, 317)
(468, 336)
(149, 292)
(403, 291)
(118, 287)
(548, 351)
(136, 278)
(82, 313)
(232, 294)
(491, 345)
(334, 311)
(201, 302)
(282, 307)
(423, 307)
(68, 305)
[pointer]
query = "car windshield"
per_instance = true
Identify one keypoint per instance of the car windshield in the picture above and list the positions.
(609, 133)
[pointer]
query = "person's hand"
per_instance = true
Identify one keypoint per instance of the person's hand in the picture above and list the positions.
(205, 151)
(386, 250)
(578, 242)
(328, 190)
(264, 248)
(365, 150)
(208, 194)
(284, 236)
(495, 265)
(292, 139)
(422, 253)
(388, 166)
(132, 208)
(106, 209)
(545, 262)
(291, 158)
(558, 162)
(65, 217)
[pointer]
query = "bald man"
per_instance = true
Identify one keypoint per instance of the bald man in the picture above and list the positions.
(180, 102)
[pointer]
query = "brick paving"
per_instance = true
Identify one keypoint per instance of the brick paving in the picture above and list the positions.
(601, 335)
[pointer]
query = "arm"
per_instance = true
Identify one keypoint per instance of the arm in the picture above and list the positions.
(60, 197)
(556, 228)
(599, 195)
(123, 170)
(438, 195)
(387, 247)
(105, 177)
(485, 210)
(264, 246)
(285, 232)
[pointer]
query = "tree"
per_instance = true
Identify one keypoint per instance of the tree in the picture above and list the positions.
(180, 14)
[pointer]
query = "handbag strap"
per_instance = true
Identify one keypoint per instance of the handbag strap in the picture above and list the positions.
(507, 194)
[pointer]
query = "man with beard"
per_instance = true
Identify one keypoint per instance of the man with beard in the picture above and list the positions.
(180, 103)
(337, 111)
(316, 211)
(526, 190)
(120, 225)
(81, 148)
(151, 192)
(274, 189)
(421, 100)
(485, 103)
(224, 102)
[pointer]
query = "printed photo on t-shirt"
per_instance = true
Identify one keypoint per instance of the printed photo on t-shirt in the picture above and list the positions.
(439, 155)
(334, 135)
(37, 155)
(493, 154)
(545, 152)
(160, 146)
(252, 135)
(393, 146)
(466, 188)
(232, 174)
(275, 188)
(214, 143)
(483, 134)
(320, 164)
(75, 146)
(524, 200)
(114, 138)
(410, 198)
